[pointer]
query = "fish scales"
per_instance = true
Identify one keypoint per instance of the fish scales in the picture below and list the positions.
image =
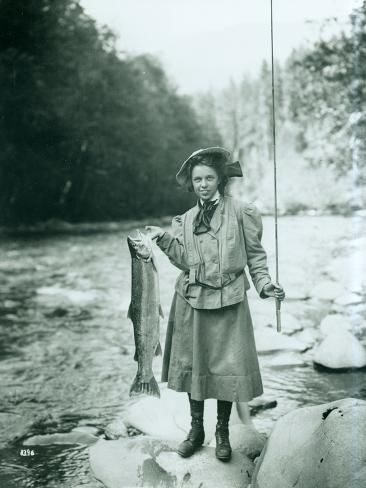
(144, 312)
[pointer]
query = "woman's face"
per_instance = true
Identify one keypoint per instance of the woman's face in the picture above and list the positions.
(205, 181)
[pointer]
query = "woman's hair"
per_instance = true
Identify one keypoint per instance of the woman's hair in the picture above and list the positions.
(215, 161)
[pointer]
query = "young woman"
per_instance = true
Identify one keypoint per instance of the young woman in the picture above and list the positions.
(210, 350)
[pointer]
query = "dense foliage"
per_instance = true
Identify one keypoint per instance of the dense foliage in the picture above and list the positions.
(87, 133)
(320, 119)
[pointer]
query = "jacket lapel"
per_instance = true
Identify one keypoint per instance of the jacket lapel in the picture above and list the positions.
(216, 220)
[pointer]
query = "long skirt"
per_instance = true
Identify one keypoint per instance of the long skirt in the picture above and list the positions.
(211, 353)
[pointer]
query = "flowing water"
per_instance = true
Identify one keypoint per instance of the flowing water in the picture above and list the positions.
(66, 348)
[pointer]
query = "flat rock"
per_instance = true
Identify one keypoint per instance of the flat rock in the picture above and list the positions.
(128, 463)
(267, 340)
(246, 439)
(327, 290)
(316, 447)
(73, 437)
(340, 350)
(204, 470)
(147, 462)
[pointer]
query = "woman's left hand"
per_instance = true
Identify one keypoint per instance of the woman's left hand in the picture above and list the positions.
(274, 290)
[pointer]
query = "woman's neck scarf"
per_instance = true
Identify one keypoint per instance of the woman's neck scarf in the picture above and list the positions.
(202, 221)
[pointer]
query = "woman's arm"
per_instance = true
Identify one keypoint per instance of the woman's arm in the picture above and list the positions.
(172, 244)
(256, 255)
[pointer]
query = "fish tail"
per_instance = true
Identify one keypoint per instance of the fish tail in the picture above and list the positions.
(138, 387)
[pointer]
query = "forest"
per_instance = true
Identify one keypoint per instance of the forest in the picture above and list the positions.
(89, 133)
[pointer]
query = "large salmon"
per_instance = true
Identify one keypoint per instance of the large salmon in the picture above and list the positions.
(144, 312)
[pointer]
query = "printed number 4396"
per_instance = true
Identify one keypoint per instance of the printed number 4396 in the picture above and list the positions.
(26, 452)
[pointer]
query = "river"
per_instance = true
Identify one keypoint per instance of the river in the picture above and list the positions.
(66, 349)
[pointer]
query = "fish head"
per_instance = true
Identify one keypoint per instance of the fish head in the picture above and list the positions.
(140, 247)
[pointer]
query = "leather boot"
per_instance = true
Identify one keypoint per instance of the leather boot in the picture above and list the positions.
(196, 435)
(223, 448)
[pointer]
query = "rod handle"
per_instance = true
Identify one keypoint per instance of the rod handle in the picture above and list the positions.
(278, 315)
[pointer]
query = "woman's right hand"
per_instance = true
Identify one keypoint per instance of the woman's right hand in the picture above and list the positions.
(154, 231)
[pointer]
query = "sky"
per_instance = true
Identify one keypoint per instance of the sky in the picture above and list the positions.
(204, 43)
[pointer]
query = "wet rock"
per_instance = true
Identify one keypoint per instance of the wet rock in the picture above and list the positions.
(116, 429)
(316, 447)
(267, 340)
(334, 322)
(73, 437)
(340, 350)
(246, 439)
(57, 312)
(327, 290)
(261, 403)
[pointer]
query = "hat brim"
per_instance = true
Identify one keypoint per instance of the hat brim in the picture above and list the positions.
(231, 168)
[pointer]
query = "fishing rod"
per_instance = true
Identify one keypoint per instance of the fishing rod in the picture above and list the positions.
(278, 303)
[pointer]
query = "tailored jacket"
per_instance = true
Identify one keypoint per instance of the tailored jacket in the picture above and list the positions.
(213, 263)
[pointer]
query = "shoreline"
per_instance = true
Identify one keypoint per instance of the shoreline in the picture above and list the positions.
(61, 227)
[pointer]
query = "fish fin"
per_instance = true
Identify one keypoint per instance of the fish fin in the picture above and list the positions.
(129, 311)
(151, 388)
(161, 313)
(158, 351)
(154, 387)
(136, 356)
(135, 387)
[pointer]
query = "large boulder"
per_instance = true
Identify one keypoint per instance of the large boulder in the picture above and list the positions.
(147, 462)
(316, 447)
(334, 322)
(340, 350)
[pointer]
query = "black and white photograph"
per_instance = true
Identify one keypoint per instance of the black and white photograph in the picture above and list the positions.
(182, 244)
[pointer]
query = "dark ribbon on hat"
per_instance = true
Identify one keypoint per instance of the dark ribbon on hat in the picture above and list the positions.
(202, 221)
(233, 169)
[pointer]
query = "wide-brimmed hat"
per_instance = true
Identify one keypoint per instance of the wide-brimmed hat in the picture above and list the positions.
(231, 168)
